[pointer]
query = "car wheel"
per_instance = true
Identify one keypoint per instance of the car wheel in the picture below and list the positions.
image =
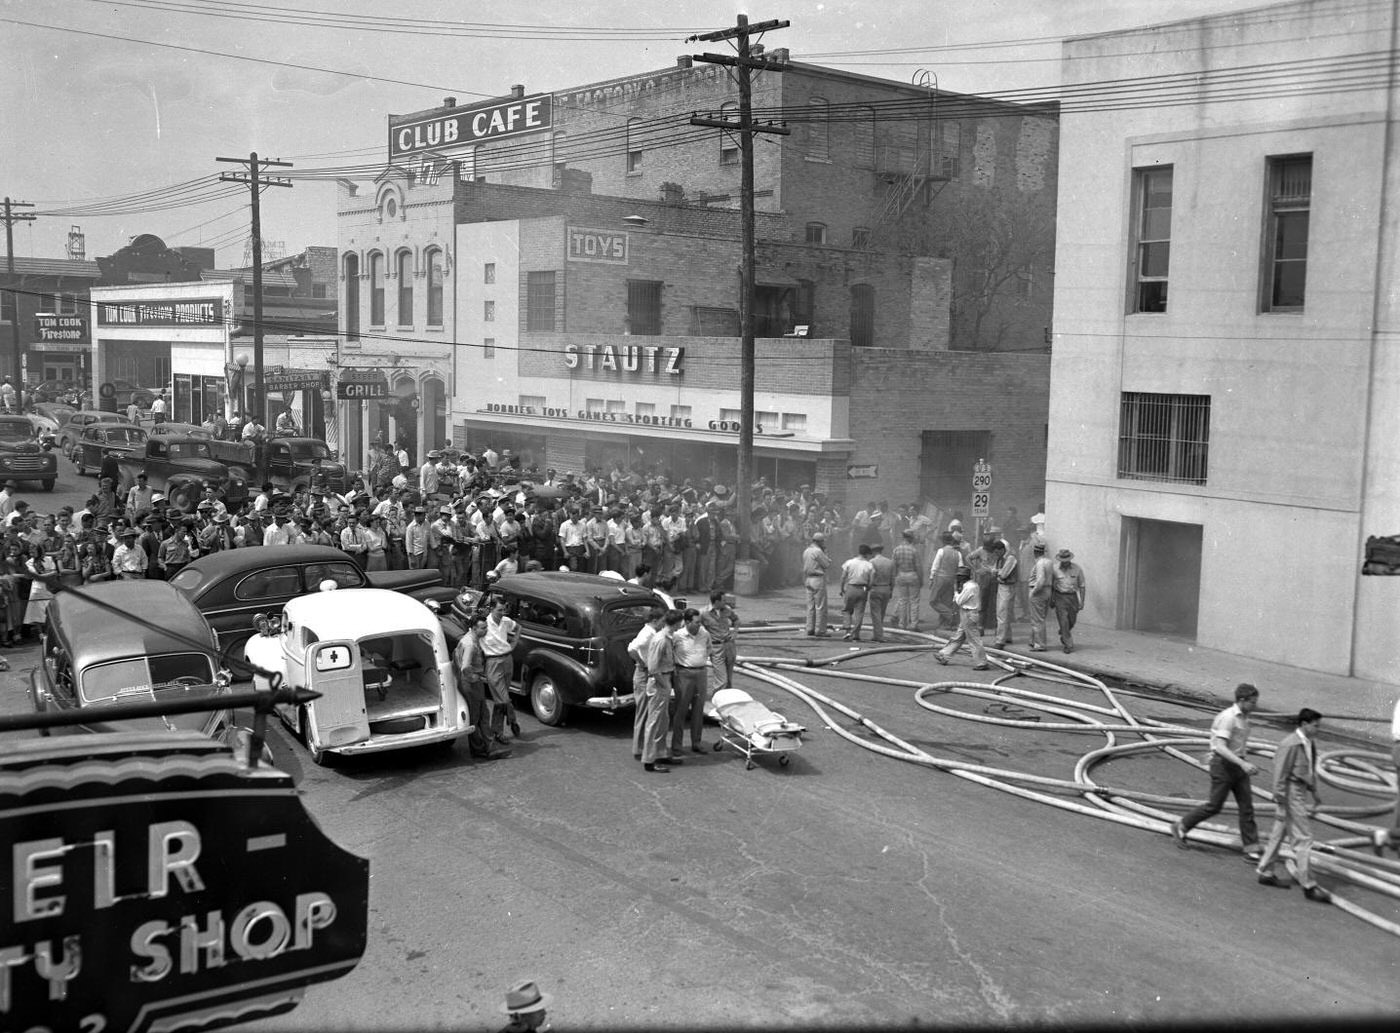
(545, 700)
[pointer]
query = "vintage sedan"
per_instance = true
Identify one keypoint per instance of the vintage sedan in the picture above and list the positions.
(22, 457)
(72, 428)
(128, 641)
(233, 587)
(574, 632)
(100, 441)
(380, 663)
(47, 417)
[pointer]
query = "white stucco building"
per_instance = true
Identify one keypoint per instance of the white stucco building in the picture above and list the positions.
(1225, 389)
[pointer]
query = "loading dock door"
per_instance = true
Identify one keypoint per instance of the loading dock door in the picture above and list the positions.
(1161, 576)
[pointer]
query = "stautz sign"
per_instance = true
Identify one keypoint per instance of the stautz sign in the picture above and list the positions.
(464, 127)
(155, 884)
(625, 358)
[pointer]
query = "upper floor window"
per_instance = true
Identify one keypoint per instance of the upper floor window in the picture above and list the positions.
(860, 237)
(1164, 437)
(1286, 235)
(66, 304)
(818, 128)
(644, 307)
(488, 347)
(862, 315)
(488, 311)
(634, 145)
(352, 297)
(435, 287)
(863, 130)
(816, 233)
(1152, 195)
(729, 142)
(488, 273)
(539, 301)
(403, 272)
(556, 156)
(376, 289)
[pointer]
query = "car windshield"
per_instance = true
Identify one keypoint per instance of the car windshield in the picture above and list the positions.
(126, 436)
(142, 675)
(189, 449)
(304, 450)
(15, 430)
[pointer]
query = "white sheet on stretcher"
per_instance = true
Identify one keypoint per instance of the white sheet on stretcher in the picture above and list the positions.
(743, 715)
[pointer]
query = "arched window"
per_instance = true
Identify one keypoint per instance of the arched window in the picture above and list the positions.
(403, 272)
(862, 315)
(729, 142)
(816, 233)
(352, 297)
(376, 289)
(435, 287)
(818, 128)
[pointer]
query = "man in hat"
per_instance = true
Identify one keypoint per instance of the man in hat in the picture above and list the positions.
(129, 559)
(815, 562)
(1039, 585)
(428, 475)
(525, 1006)
(152, 527)
(415, 539)
(968, 599)
(282, 532)
(881, 589)
(855, 591)
(1067, 596)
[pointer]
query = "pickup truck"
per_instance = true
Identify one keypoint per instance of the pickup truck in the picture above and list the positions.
(289, 462)
(178, 466)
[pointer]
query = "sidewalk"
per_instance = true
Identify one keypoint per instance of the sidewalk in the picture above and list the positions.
(1173, 667)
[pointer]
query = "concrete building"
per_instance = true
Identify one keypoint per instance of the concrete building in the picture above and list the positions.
(905, 238)
(45, 331)
(1225, 406)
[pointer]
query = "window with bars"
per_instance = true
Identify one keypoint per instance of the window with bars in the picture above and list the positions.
(816, 233)
(1152, 191)
(539, 301)
(818, 128)
(1286, 237)
(644, 307)
(863, 132)
(860, 237)
(1164, 437)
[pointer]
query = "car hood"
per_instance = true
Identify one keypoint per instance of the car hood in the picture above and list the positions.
(19, 446)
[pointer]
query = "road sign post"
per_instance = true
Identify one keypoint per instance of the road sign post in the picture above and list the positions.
(981, 493)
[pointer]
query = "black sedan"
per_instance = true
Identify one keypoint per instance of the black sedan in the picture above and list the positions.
(232, 587)
(21, 456)
(101, 440)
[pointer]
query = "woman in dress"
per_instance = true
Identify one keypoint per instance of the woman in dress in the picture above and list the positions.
(42, 568)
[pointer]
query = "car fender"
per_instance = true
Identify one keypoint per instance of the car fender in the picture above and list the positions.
(570, 677)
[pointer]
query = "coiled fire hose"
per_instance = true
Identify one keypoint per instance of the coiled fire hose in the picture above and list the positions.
(1357, 771)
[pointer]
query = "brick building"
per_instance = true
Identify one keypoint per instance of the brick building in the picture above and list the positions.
(896, 226)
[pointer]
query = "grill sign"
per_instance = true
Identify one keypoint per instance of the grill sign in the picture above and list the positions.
(464, 127)
(154, 884)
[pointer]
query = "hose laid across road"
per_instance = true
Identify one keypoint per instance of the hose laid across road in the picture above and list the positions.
(1357, 771)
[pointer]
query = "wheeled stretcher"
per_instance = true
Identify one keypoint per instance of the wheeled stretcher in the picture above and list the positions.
(750, 727)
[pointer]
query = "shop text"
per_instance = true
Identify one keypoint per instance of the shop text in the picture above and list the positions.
(627, 358)
(472, 125)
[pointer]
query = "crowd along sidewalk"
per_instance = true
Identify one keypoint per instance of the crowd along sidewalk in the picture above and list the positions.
(1352, 707)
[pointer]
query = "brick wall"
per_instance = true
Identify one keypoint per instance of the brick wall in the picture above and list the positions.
(898, 395)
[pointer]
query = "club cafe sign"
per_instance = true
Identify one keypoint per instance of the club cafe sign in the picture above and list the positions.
(464, 127)
(625, 358)
(155, 884)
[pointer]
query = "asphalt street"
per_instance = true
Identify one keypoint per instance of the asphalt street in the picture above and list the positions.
(845, 889)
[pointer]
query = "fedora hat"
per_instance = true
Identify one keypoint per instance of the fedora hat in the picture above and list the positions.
(525, 997)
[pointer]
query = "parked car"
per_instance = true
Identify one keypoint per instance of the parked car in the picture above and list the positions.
(379, 661)
(22, 457)
(574, 632)
(101, 441)
(232, 587)
(127, 392)
(227, 452)
(72, 428)
(127, 641)
(49, 416)
(296, 462)
(179, 466)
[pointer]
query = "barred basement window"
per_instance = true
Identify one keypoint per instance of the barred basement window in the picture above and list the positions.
(1164, 437)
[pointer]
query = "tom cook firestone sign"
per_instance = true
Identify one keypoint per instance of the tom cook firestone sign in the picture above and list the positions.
(154, 884)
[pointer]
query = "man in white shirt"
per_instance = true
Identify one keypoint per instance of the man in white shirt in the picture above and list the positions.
(968, 599)
(129, 561)
(498, 645)
(856, 575)
(158, 409)
(573, 537)
(282, 531)
(691, 647)
(637, 650)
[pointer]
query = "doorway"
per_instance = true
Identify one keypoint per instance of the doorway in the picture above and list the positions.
(1161, 590)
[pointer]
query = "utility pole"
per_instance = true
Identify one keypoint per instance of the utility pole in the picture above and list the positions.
(744, 62)
(12, 217)
(256, 181)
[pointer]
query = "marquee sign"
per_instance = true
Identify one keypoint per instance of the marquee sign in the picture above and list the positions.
(155, 884)
(197, 312)
(625, 358)
(50, 327)
(465, 127)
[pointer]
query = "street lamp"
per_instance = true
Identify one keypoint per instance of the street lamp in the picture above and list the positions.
(241, 361)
